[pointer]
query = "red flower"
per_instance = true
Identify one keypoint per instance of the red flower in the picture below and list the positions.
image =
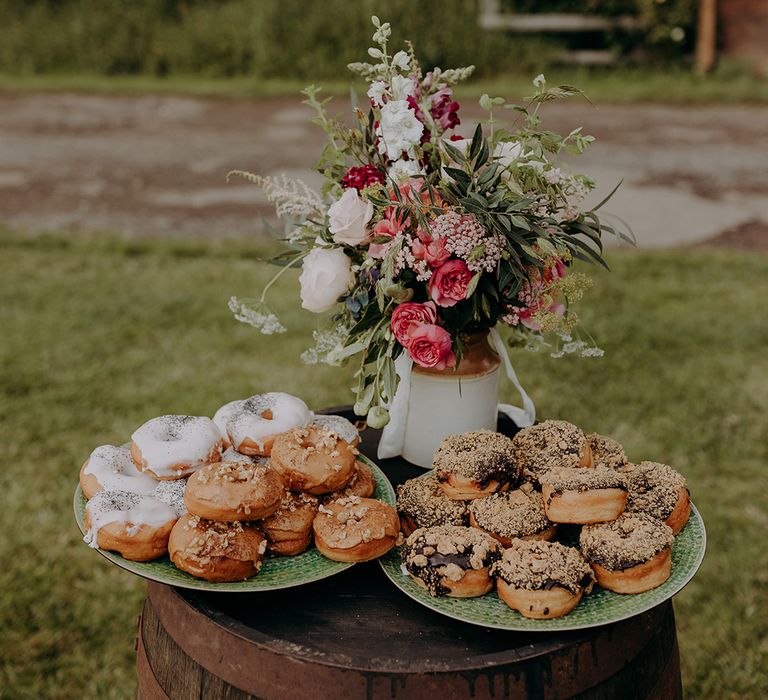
(407, 317)
(449, 283)
(445, 109)
(362, 176)
(431, 347)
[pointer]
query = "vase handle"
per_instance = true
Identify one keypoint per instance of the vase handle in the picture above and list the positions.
(525, 416)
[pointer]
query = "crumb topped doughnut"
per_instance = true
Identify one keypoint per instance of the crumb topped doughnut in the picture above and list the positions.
(171, 447)
(216, 551)
(606, 452)
(133, 525)
(659, 491)
(576, 495)
(344, 428)
(355, 529)
(422, 503)
(111, 468)
(315, 460)
(512, 515)
(630, 554)
(232, 491)
(289, 528)
(362, 483)
(451, 560)
(553, 443)
(475, 464)
(542, 580)
(253, 424)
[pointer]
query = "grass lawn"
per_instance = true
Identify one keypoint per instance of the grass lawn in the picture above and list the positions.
(99, 335)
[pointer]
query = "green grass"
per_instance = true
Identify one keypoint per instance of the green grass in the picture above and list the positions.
(728, 85)
(99, 335)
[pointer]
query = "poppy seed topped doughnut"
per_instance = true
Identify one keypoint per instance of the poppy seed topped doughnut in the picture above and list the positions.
(606, 452)
(475, 464)
(659, 491)
(510, 515)
(422, 503)
(553, 443)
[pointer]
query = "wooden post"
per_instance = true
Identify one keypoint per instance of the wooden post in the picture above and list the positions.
(706, 37)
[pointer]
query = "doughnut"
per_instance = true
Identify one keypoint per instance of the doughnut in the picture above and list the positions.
(659, 491)
(451, 560)
(215, 551)
(553, 443)
(355, 529)
(362, 483)
(254, 423)
(475, 464)
(576, 495)
(289, 528)
(232, 455)
(606, 452)
(135, 526)
(171, 447)
(542, 580)
(111, 468)
(629, 555)
(422, 503)
(345, 429)
(511, 515)
(222, 416)
(314, 460)
(232, 491)
(172, 494)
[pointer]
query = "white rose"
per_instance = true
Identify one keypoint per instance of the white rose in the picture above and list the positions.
(348, 216)
(326, 274)
(507, 152)
(399, 129)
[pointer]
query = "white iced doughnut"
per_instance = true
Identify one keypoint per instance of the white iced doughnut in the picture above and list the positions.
(171, 447)
(232, 455)
(257, 421)
(172, 494)
(222, 416)
(111, 468)
(345, 429)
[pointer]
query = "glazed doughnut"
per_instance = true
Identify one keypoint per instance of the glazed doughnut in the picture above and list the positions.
(111, 468)
(475, 464)
(553, 443)
(135, 526)
(512, 515)
(422, 503)
(659, 491)
(223, 415)
(575, 495)
(172, 494)
(451, 560)
(629, 555)
(345, 429)
(232, 491)
(355, 529)
(216, 551)
(542, 580)
(232, 455)
(606, 452)
(171, 447)
(254, 423)
(289, 528)
(362, 483)
(314, 460)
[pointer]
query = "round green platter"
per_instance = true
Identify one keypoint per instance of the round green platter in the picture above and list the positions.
(277, 572)
(600, 607)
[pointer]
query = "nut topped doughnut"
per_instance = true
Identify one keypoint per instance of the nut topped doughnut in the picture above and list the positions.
(475, 464)
(344, 428)
(606, 452)
(553, 443)
(171, 447)
(422, 503)
(313, 459)
(362, 483)
(253, 424)
(576, 495)
(136, 526)
(511, 515)
(355, 529)
(630, 554)
(659, 491)
(289, 528)
(542, 580)
(451, 560)
(216, 551)
(234, 491)
(111, 468)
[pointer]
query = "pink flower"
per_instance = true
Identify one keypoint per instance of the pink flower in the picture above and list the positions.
(556, 271)
(445, 109)
(432, 251)
(448, 285)
(430, 346)
(391, 225)
(409, 316)
(528, 316)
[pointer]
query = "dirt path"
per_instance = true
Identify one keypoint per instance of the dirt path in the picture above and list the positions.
(156, 165)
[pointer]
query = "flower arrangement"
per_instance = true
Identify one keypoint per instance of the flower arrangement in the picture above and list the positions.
(421, 237)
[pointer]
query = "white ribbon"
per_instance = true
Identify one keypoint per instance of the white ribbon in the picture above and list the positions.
(393, 435)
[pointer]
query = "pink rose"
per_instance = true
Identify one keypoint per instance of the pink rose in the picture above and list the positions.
(392, 225)
(449, 283)
(431, 347)
(432, 251)
(407, 317)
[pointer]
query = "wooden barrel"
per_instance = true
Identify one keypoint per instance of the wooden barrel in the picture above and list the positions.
(356, 636)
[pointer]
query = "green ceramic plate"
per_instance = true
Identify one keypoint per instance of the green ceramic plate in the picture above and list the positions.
(599, 608)
(277, 572)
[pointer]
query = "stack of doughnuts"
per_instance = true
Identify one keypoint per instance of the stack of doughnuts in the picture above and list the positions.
(216, 495)
(517, 492)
